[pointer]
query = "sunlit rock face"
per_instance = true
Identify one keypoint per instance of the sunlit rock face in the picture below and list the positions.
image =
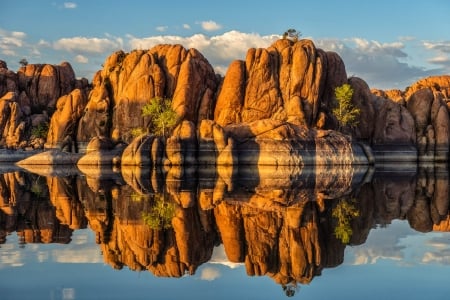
(29, 99)
(25, 208)
(271, 100)
(128, 81)
(287, 81)
(64, 121)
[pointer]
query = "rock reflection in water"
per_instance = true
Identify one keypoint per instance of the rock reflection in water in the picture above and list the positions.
(286, 223)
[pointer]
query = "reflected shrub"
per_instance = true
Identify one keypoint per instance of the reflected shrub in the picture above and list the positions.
(344, 212)
(160, 215)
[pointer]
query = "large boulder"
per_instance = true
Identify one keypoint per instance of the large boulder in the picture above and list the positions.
(64, 122)
(432, 125)
(8, 79)
(45, 83)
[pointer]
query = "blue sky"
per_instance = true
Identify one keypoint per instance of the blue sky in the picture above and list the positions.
(390, 44)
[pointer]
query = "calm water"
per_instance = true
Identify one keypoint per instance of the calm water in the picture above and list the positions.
(347, 233)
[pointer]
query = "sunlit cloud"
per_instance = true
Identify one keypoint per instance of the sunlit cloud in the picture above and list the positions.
(442, 59)
(443, 46)
(81, 59)
(43, 43)
(87, 45)
(441, 50)
(407, 38)
(186, 26)
(70, 5)
(161, 28)
(220, 258)
(220, 50)
(381, 65)
(209, 274)
(10, 41)
(210, 25)
(438, 251)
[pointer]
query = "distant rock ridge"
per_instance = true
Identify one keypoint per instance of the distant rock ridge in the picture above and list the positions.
(280, 97)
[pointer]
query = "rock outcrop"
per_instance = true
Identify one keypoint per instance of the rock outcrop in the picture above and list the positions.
(280, 97)
(28, 100)
(128, 81)
(287, 81)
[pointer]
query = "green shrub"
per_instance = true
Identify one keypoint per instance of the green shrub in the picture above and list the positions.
(40, 131)
(163, 117)
(344, 110)
(137, 131)
(344, 212)
(160, 214)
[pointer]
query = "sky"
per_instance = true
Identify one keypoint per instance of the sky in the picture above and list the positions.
(388, 43)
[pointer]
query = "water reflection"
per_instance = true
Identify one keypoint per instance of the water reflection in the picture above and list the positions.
(285, 223)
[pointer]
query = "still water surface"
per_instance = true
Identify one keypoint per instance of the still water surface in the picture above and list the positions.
(346, 233)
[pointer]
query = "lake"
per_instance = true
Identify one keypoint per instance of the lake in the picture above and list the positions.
(234, 232)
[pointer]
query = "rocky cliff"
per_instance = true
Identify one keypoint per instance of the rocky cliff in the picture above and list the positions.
(279, 98)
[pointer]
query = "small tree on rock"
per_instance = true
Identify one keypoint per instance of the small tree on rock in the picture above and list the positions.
(163, 117)
(23, 62)
(344, 110)
(292, 34)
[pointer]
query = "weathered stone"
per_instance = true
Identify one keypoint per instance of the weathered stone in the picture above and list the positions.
(393, 124)
(138, 153)
(45, 83)
(231, 95)
(64, 122)
(363, 99)
(51, 157)
(96, 117)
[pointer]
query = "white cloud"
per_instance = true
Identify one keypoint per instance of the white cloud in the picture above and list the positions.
(18, 34)
(10, 41)
(220, 50)
(8, 52)
(440, 46)
(442, 59)
(70, 5)
(44, 43)
(209, 274)
(161, 28)
(186, 26)
(81, 59)
(381, 65)
(87, 45)
(219, 257)
(210, 25)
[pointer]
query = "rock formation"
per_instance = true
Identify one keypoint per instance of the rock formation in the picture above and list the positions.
(278, 221)
(28, 100)
(280, 97)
